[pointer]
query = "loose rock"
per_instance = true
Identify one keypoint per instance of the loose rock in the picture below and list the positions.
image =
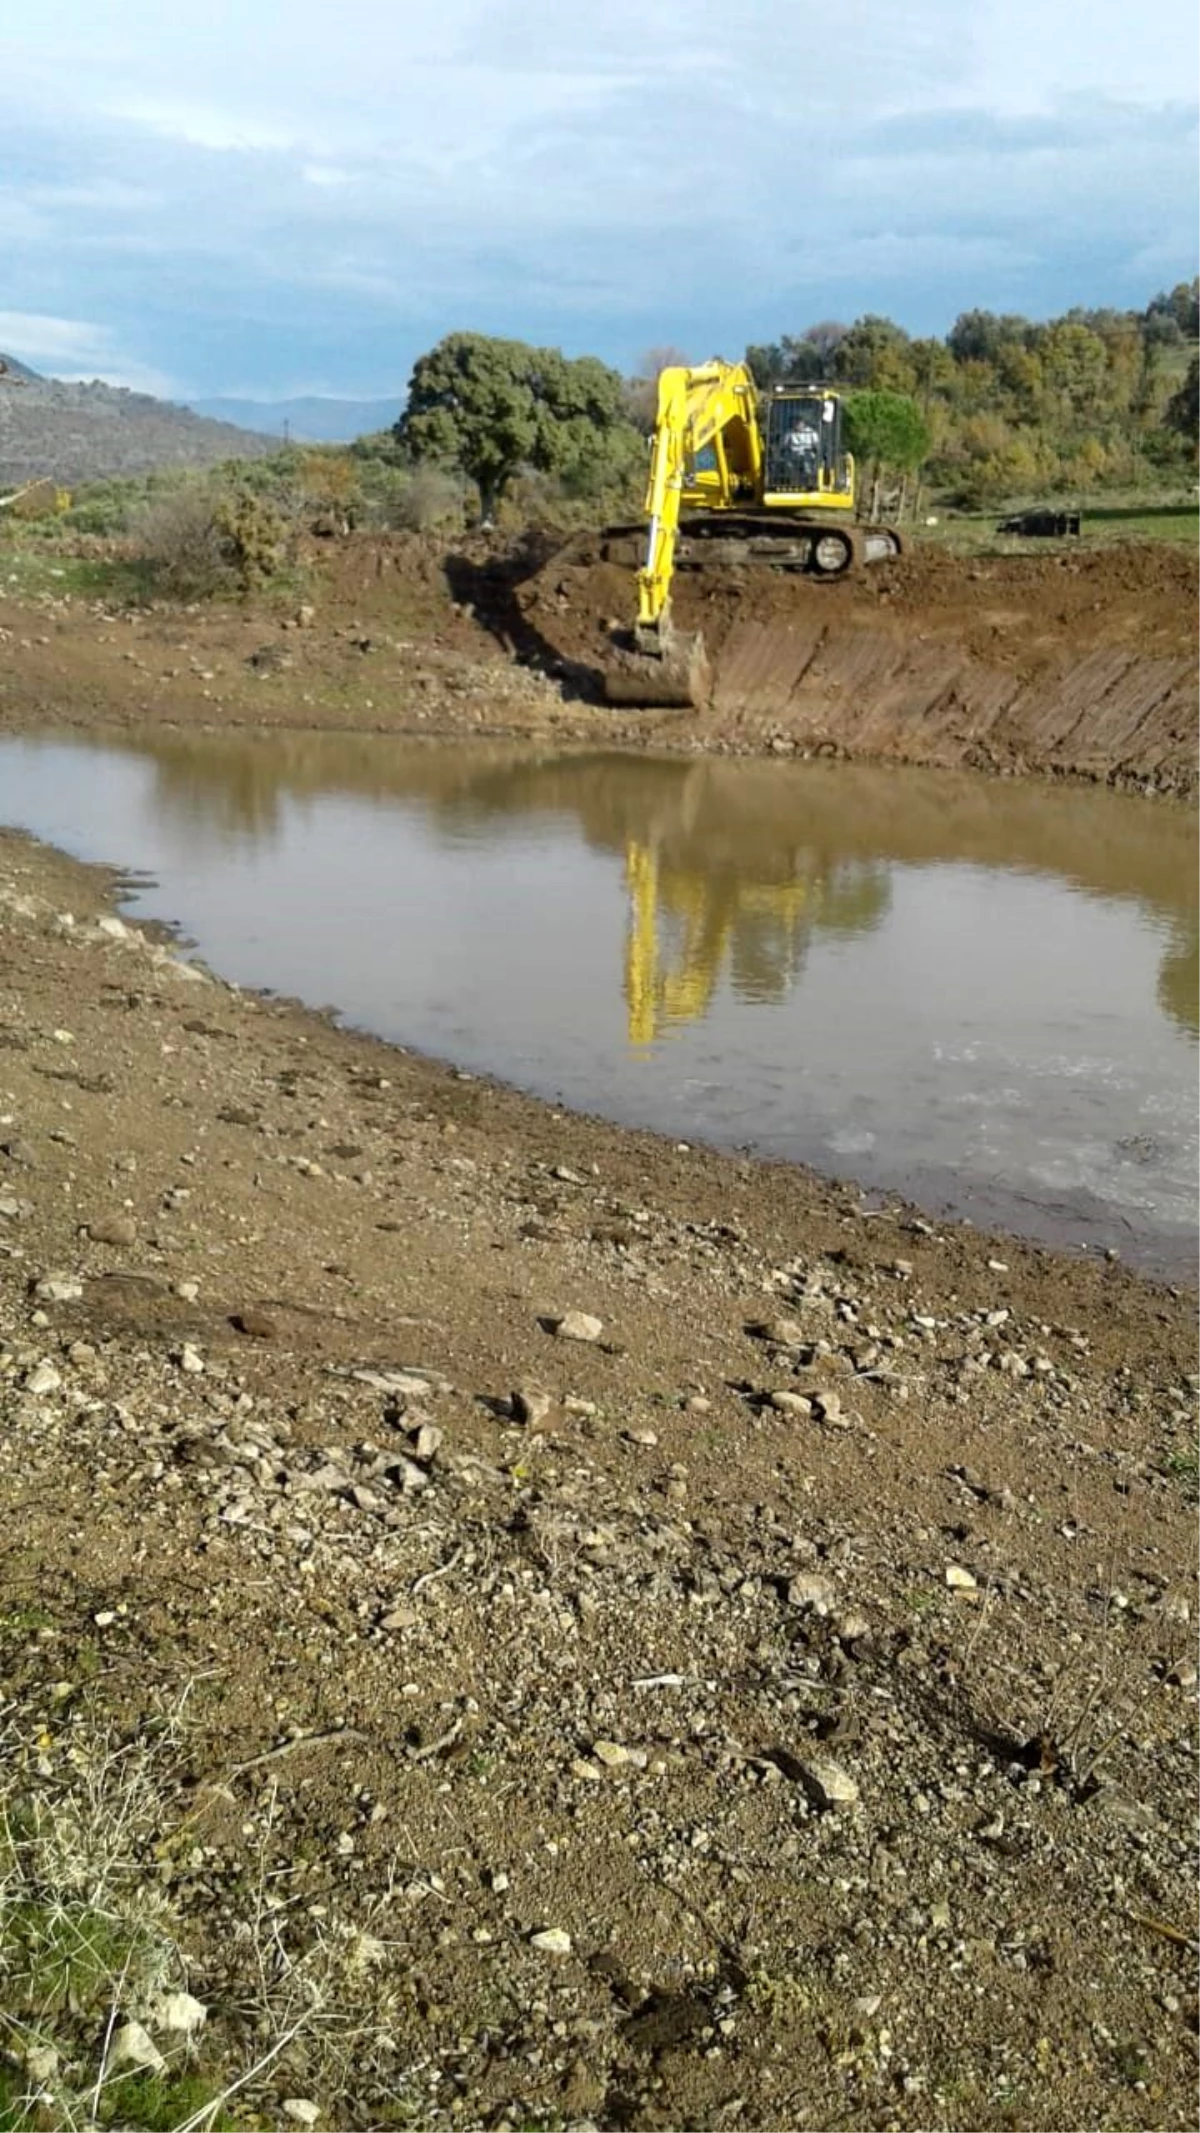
(577, 1326)
(132, 2046)
(113, 1229)
(960, 1580)
(827, 1783)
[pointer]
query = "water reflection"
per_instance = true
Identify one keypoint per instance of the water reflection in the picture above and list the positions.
(1179, 977)
(686, 925)
(983, 994)
(742, 861)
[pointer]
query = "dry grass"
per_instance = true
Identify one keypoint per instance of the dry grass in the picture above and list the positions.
(92, 1937)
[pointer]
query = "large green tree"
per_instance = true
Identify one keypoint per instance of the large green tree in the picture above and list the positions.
(796, 359)
(491, 407)
(876, 355)
(887, 430)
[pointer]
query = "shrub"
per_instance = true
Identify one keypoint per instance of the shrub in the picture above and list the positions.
(207, 538)
(431, 497)
(182, 539)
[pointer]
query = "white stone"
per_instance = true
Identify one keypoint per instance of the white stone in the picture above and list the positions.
(180, 2013)
(829, 1784)
(553, 1941)
(41, 2063)
(302, 2109)
(132, 2046)
(59, 1289)
(402, 1384)
(960, 1580)
(43, 1378)
(610, 1753)
(786, 1402)
(578, 1326)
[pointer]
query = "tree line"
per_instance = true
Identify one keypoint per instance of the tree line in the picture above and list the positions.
(1093, 398)
(1002, 406)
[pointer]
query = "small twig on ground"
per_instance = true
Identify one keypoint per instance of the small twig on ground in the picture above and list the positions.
(298, 1740)
(1164, 1930)
(427, 1577)
(434, 1747)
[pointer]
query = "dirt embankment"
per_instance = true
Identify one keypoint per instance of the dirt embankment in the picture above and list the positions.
(765, 1700)
(1079, 664)
(1082, 664)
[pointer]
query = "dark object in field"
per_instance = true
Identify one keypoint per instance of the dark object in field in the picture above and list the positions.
(1054, 525)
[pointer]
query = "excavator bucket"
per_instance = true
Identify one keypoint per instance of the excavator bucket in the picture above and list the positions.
(674, 675)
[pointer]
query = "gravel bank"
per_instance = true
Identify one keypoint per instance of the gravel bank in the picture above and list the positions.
(606, 1634)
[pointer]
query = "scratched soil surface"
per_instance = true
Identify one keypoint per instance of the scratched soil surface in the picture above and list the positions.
(1079, 664)
(520, 1623)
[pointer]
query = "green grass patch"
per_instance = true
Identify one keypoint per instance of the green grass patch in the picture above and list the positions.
(39, 570)
(14, 2112)
(62, 1958)
(163, 2102)
(1183, 1467)
(1105, 524)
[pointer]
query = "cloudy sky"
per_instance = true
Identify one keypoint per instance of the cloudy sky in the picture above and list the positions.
(268, 197)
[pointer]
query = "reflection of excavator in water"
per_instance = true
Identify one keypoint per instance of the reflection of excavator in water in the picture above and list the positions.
(761, 927)
(766, 477)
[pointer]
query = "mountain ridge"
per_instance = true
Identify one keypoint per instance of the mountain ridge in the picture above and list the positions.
(309, 418)
(71, 432)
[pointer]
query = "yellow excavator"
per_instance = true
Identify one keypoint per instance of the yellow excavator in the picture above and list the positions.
(735, 476)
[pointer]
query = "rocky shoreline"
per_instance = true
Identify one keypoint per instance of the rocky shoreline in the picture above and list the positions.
(599, 1632)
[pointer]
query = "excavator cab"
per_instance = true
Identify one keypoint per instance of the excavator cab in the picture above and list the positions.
(805, 465)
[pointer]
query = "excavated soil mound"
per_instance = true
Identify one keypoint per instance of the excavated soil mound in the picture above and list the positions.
(1074, 663)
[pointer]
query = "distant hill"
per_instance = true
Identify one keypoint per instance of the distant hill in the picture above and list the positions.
(74, 433)
(311, 420)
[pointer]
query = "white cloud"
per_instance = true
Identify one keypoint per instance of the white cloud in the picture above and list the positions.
(75, 348)
(1029, 52)
(327, 176)
(200, 127)
(37, 338)
(581, 165)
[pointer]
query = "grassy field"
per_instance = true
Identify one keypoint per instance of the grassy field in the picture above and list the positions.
(30, 567)
(1105, 523)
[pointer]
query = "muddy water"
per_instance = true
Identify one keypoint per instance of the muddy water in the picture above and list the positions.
(982, 994)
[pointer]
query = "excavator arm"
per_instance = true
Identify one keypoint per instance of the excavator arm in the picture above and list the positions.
(710, 410)
(715, 405)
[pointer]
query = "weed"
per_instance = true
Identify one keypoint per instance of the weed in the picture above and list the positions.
(33, 571)
(14, 2102)
(1131, 2063)
(1183, 1466)
(91, 1937)
(162, 2103)
(24, 1621)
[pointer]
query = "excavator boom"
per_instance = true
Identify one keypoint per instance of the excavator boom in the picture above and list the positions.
(709, 409)
(712, 406)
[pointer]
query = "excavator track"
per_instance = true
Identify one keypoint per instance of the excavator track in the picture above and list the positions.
(675, 674)
(819, 547)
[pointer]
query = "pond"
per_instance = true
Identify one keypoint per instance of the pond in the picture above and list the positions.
(980, 993)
